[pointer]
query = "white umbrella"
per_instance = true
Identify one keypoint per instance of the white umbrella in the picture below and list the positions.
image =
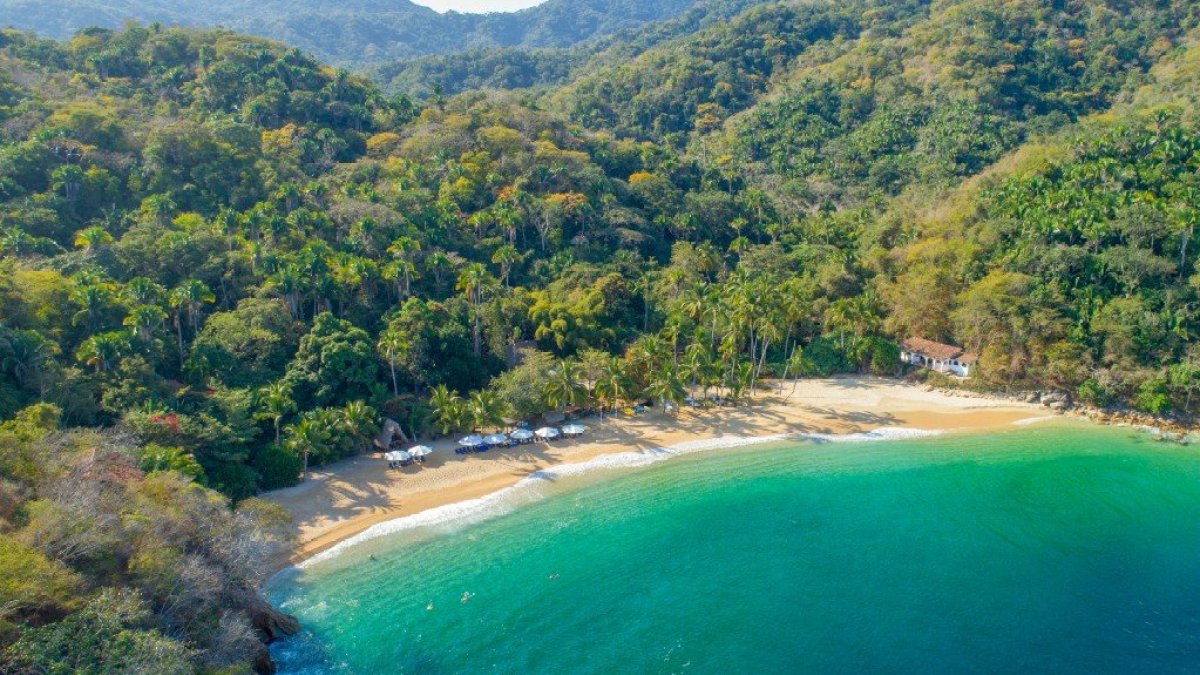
(548, 433)
(574, 429)
(521, 435)
(390, 456)
(398, 456)
(420, 451)
(471, 441)
(496, 439)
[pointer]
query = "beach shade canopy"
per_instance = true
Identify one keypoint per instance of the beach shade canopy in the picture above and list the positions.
(397, 456)
(496, 439)
(547, 432)
(573, 429)
(420, 451)
(521, 435)
(471, 441)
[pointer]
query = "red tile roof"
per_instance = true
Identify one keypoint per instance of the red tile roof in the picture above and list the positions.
(933, 350)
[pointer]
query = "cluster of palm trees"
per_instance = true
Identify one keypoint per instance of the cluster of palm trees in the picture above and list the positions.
(323, 434)
(478, 411)
(147, 308)
(722, 336)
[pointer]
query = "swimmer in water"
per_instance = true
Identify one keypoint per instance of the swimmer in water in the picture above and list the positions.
(466, 596)
(552, 577)
(429, 607)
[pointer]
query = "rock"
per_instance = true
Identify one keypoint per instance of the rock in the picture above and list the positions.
(1033, 397)
(1056, 400)
(271, 624)
(263, 663)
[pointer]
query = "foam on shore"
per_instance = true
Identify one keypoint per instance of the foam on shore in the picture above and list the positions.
(524, 491)
(1036, 420)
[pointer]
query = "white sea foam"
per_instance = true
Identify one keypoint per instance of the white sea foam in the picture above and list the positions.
(880, 434)
(505, 500)
(1035, 420)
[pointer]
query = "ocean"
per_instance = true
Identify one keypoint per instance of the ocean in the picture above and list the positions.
(1045, 549)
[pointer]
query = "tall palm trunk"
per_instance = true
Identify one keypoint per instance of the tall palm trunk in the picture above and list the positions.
(179, 337)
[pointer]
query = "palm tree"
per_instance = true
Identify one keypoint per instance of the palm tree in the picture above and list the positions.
(360, 422)
(697, 361)
(795, 364)
(92, 238)
(439, 262)
(393, 345)
(648, 354)
(486, 409)
(94, 301)
(15, 241)
(144, 320)
(506, 257)
(309, 436)
(852, 315)
(739, 379)
(564, 385)
(102, 351)
(447, 408)
(473, 281)
(142, 291)
(276, 402)
(612, 385)
(24, 353)
(404, 249)
(402, 272)
(665, 386)
(186, 299)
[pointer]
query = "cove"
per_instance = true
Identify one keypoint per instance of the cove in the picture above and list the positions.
(1071, 549)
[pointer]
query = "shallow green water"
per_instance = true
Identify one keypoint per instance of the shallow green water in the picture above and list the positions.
(1035, 551)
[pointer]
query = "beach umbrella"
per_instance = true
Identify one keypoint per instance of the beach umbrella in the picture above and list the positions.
(548, 433)
(402, 456)
(496, 439)
(471, 441)
(390, 456)
(574, 429)
(521, 435)
(420, 451)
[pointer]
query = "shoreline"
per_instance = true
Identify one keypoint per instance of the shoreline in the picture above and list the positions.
(343, 501)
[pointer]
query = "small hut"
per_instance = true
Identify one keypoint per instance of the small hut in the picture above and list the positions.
(388, 434)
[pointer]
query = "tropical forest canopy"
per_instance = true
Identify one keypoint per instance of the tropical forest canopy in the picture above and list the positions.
(224, 262)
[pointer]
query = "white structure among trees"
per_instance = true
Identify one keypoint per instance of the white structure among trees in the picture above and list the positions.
(937, 356)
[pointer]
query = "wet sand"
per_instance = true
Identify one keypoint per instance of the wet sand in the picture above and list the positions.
(343, 499)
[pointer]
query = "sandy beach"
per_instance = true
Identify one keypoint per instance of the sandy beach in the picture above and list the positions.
(343, 499)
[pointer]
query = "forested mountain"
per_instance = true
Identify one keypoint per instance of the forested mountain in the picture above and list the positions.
(353, 32)
(523, 67)
(223, 262)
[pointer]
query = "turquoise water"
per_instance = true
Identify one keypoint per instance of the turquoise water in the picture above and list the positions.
(1044, 550)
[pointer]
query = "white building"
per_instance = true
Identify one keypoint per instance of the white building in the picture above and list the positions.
(937, 356)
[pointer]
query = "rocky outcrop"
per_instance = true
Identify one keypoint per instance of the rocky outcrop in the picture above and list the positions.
(1055, 400)
(271, 624)
(1165, 428)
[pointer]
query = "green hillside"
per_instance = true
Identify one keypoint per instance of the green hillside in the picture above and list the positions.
(354, 32)
(223, 263)
(525, 67)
